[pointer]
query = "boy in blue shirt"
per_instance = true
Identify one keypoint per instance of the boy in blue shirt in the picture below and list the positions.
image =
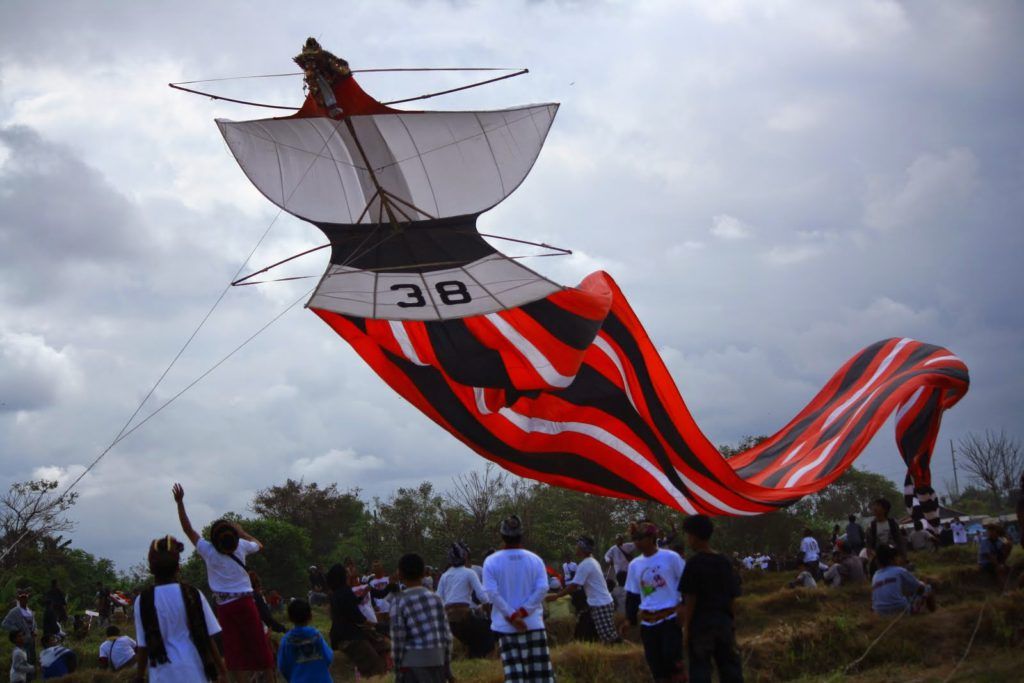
(894, 589)
(304, 656)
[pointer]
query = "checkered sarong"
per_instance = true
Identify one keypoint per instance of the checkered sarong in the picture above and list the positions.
(525, 657)
(604, 622)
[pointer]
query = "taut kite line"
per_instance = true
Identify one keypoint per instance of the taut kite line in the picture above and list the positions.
(559, 384)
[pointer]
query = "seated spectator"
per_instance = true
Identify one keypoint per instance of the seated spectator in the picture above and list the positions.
(803, 580)
(55, 660)
(832, 577)
(993, 551)
(894, 589)
(117, 651)
(921, 539)
(851, 566)
(945, 535)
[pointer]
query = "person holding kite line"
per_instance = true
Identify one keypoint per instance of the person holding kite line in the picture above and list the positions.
(246, 648)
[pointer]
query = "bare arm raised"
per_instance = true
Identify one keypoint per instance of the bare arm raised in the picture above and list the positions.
(186, 525)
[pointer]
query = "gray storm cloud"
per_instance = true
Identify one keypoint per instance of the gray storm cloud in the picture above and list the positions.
(775, 185)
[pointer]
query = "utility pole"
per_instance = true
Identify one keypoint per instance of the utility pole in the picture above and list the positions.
(956, 481)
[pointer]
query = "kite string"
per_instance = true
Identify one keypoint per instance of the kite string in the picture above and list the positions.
(122, 433)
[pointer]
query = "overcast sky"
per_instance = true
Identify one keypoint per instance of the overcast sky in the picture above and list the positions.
(775, 185)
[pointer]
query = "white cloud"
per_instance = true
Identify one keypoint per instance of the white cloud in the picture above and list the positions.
(932, 186)
(34, 375)
(730, 228)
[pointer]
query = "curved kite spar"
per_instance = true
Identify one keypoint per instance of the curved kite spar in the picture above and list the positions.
(554, 383)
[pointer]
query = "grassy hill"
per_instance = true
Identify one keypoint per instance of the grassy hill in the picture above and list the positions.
(800, 635)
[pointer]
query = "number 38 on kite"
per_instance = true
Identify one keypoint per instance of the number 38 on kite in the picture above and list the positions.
(559, 384)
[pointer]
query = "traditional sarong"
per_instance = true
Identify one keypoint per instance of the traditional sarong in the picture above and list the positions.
(604, 622)
(525, 657)
(246, 647)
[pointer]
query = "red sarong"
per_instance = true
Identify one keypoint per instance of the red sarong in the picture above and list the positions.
(246, 647)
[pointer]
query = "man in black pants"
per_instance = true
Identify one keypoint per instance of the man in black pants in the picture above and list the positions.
(709, 586)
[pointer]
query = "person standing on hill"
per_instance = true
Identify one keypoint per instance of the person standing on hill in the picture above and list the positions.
(304, 656)
(351, 633)
(618, 556)
(23, 620)
(421, 641)
(174, 624)
(515, 581)
(246, 647)
(652, 587)
(854, 535)
(589, 577)
(459, 589)
(810, 553)
(709, 587)
(959, 532)
(882, 531)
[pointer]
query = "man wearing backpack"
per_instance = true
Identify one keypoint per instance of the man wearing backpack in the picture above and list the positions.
(883, 530)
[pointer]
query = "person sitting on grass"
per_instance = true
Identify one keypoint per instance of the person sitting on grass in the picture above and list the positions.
(709, 586)
(894, 590)
(304, 656)
(21, 669)
(174, 624)
(421, 641)
(993, 551)
(117, 651)
(56, 660)
(810, 553)
(803, 580)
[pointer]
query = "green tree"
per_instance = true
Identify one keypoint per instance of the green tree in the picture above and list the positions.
(850, 494)
(334, 520)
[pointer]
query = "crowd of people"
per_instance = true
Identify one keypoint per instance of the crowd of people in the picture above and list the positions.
(407, 622)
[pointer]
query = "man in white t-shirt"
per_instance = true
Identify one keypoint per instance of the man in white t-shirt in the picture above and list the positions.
(618, 556)
(959, 532)
(810, 552)
(117, 651)
(600, 604)
(515, 581)
(653, 589)
(568, 570)
(459, 590)
(246, 647)
(174, 624)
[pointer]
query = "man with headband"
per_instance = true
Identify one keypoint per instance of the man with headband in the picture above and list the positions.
(652, 598)
(591, 579)
(516, 582)
(458, 587)
(174, 624)
(246, 647)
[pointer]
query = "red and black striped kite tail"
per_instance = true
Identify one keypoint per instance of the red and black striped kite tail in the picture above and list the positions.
(569, 390)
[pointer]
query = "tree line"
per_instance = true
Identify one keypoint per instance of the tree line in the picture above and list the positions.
(304, 523)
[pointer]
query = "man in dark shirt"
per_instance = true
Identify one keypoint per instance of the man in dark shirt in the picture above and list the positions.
(854, 535)
(349, 630)
(709, 586)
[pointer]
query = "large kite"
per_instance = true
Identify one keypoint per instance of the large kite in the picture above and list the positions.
(559, 384)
